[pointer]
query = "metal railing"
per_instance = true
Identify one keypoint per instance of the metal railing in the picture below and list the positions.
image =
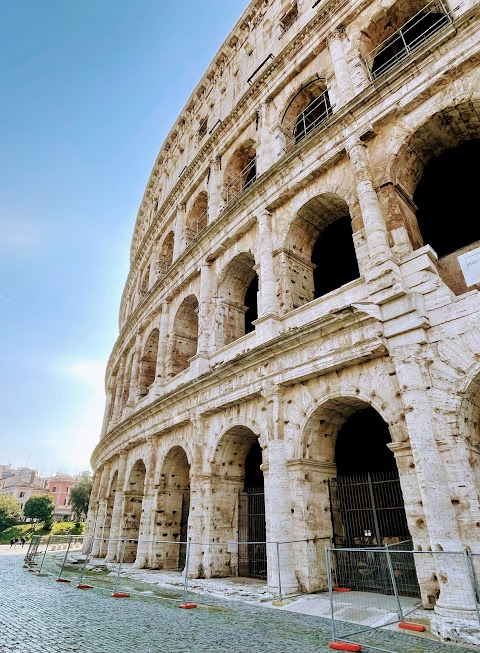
(162, 265)
(433, 17)
(242, 181)
(316, 114)
(193, 231)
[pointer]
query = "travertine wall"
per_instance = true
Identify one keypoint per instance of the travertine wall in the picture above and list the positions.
(189, 391)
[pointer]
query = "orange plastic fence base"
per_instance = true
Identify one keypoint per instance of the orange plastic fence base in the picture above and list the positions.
(120, 595)
(342, 589)
(63, 580)
(416, 627)
(83, 586)
(32, 570)
(187, 606)
(345, 646)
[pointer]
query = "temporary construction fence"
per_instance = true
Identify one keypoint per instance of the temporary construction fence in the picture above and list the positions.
(184, 572)
(372, 588)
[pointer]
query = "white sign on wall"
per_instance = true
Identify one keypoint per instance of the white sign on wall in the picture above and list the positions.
(470, 264)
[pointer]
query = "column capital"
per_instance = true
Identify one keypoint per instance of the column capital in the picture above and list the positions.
(216, 163)
(264, 219)
(335, 34)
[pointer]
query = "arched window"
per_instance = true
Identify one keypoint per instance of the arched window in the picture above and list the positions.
(307, 110)
(184, 336)
(148, 363)
(197, 218)
(237, 295)
(165, 256)
(319, 254)
(241, 171)
(400, 31)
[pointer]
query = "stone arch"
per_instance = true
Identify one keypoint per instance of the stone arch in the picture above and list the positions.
(172, 510)
(148, 362)
(344, 441)
(237, 305)
(395, 32)
(184, 337)
(241, 170)
(235, 464)
(197, 217)
(319, 254)
(133, 503)
(144, 282)
(306, 110)
(127, 379)
(107, 522)
(469, 421)
(442, 152)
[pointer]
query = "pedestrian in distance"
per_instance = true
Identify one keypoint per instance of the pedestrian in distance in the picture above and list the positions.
(12, 542)
(23, 540)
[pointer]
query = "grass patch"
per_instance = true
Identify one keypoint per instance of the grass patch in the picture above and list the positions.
(22, 530)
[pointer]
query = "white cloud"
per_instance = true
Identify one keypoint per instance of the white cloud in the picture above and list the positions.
(91, 373)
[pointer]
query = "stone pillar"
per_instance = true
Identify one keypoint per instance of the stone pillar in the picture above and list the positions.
(382, 273)
(92, 510)
(278, 499)
(455, 603)
(215, 202)
(107, 415)
(178, 228)
(198, 519)
(152, 277)
(268, 284)
(265, 146)
(146, 545)
(163, 341)
(117, 404)
(343, 77)
(134, 378)
(311, 517)
(204, 326)
(118, 509)
(101, 512)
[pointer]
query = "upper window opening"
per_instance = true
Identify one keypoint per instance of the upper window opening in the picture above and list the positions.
(407, 33)
(308, 110)
(241, 171)
(288, 19)
(197, 218)
(202, 130)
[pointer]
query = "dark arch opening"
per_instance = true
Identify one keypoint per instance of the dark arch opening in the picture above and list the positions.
(447, 198)
(316, 112)
(412, 34)
(253, 473)
(251, 313)
(334, 257)
(362, 445)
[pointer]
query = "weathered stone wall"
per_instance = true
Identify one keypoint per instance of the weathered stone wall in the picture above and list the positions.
(189, 391)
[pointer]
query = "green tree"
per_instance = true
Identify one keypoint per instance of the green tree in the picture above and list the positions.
(9, 511)
(80, 496)
(40, 508)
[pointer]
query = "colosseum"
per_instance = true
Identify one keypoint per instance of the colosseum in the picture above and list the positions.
(299, 350)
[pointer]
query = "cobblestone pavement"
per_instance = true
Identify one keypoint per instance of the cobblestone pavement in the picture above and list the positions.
(39, 615)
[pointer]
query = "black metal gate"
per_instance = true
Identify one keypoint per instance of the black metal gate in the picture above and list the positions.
(252, 550)
(368, 512)
(183, 530)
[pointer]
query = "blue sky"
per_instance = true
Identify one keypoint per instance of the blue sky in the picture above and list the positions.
(89, 90)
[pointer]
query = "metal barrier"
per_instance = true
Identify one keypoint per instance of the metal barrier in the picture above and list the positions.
(368, 592)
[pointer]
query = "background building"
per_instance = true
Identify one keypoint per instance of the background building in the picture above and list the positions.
(299, 346)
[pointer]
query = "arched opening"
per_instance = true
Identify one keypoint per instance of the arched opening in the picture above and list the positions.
(165, 256)
(133, 509)
(319, 255)
(307, 110)
(237, 300)
(197, 218)
(172, 511)
(240, 171)
(144, 283)
(239, 510)
(356, 496)
(148, 363)
(184, 336)
(107, 522)
(436, 170)
(400, 30)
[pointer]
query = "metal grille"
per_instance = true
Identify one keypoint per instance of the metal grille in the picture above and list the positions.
(183, 531)
(252, 550)
(368, 512)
